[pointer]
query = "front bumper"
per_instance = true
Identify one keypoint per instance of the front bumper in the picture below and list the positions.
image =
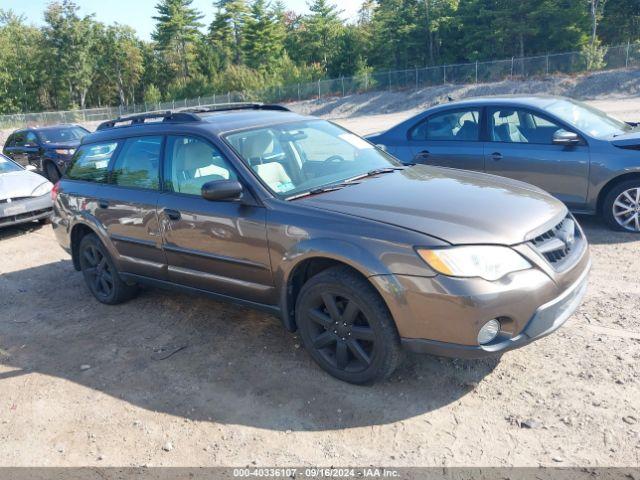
(443, 315)
(28, 210)
(547, 319)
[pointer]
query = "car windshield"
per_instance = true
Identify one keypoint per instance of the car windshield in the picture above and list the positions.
(7, 166)
(62, 134)
(296, 158)
(588, 119)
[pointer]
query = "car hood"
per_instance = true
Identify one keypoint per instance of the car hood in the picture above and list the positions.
(69, 144)
(19, 184)
(457, 206)
(626, 139)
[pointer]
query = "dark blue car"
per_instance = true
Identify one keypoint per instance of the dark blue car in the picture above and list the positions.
(581, 155)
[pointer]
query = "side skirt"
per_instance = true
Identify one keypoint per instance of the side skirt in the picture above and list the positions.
(270, 309)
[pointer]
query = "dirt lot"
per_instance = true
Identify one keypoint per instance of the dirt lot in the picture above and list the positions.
(170, 379)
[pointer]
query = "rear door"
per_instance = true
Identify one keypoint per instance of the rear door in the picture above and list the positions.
(449, 138)
(119, 186)
(520, 146)
(128, 206)
(217, 246)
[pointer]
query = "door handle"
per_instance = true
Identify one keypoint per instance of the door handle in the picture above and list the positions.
(103, 203)
(172, 214)
(496, 156)
(422, 156)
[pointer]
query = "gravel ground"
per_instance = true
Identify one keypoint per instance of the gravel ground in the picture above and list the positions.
(171, 379)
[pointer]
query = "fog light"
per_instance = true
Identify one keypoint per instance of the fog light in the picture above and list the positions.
(489, 331)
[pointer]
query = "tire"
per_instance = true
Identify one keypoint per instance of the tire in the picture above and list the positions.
(100, 273)
(346, 327)
(621, 206)
(52, 172)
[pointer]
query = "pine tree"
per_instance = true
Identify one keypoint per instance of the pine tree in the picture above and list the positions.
(226, 30)
(176, 31)
(263, 37)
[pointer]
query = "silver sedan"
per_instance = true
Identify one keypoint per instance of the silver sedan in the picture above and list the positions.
(25, 196)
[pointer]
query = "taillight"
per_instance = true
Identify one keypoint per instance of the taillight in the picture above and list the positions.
(54, 191)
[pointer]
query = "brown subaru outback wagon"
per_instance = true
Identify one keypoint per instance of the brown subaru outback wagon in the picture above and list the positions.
(300, 218)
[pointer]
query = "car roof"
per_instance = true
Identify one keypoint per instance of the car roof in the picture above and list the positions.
(539, 101)
(216, 123)
(46, 127)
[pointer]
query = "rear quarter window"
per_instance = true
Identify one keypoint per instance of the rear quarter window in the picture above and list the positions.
(91, 162)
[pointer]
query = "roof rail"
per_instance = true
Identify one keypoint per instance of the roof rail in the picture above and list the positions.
(222, 107)
(168, 116)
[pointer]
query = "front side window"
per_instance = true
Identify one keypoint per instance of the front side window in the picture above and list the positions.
(295, 158)
(191, 162)
(588, 119)
(521, 126)
(460, 125)
(91, 162)
(138, 164)
(31, 139)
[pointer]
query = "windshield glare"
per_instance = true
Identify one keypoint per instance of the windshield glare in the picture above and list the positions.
(588, 119)
(295, 158)
(66, 134)
(7, 166)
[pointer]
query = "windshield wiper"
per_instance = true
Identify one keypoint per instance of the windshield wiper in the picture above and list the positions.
(317, 191)
(373, 173)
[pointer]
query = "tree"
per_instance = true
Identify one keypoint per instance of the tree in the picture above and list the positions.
(620, 22)
(263, 37)
(69, 41)
(120, 62)
(176, 31)
(21, 71)
(319, 33)
(226, 30)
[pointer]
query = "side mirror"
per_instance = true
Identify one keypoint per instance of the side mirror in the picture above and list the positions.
(222, 190)
(562, 137)
(30, 168)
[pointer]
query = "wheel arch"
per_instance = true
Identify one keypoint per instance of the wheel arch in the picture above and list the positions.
(306, 268)
(604, 191)
(78, 232)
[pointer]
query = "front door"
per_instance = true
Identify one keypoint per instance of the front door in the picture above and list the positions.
(450, 138)
(217, 246)
(521, 147)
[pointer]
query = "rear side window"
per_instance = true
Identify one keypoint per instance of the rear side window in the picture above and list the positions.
(91, 162)
(138, 163)
(459, 125)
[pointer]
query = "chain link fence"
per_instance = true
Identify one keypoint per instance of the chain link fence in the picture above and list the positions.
(621, 56)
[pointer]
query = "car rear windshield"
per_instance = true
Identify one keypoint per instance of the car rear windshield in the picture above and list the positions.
(7, 166)
(62, 134)
(588, 119)
(294, 158)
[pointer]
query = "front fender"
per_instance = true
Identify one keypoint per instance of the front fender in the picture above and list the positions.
(345, 252)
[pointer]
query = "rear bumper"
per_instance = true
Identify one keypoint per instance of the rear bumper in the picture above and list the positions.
(24, 211)
(546, 319)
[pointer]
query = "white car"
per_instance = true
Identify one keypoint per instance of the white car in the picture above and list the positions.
(25, 196)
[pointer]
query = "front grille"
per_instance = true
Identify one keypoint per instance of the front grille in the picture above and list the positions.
(15, 199)
(24, 217)
(557, 244)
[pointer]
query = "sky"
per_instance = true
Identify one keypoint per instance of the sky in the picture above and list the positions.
(138, 13)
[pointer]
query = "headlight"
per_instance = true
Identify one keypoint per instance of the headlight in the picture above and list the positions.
(65, 151)
(488, 262)
(42, 189)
